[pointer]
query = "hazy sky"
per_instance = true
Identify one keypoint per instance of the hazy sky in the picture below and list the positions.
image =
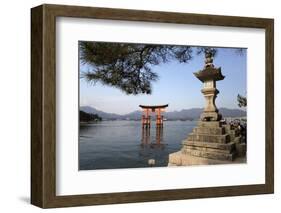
(176, 86)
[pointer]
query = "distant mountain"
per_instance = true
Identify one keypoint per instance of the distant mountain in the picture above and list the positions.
(87, 117)
(135, 115)
(185, 114)
(232, 112)
(103, 115)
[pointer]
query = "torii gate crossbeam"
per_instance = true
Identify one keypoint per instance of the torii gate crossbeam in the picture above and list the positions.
(146, 118)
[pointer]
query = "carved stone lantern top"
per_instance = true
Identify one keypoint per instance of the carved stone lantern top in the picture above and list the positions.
(208, 76)
(209, 73)
(208, 59)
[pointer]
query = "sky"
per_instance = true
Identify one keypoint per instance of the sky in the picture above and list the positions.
(176, 86)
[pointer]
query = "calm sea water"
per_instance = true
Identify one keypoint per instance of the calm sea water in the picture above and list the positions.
(124, 144)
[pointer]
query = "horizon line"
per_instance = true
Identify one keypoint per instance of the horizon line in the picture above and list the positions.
(242, 109)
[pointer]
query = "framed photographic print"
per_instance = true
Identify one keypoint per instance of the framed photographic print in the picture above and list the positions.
(137, 106)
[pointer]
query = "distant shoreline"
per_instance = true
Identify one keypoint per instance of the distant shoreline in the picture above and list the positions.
(183, 120)
(185, 114)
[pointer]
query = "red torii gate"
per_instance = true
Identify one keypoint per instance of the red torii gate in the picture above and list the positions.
(146, 116)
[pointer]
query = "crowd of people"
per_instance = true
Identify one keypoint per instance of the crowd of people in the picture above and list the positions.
(240, 126)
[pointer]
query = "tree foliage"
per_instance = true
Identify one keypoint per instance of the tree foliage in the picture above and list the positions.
(242, 101)
(129, 66)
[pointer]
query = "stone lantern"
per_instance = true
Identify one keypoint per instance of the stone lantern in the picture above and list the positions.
(209, 76)
(210, 139)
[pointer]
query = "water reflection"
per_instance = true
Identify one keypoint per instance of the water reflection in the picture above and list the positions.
(124, 144)
(145, 136)
(148, 141)
(159, 135)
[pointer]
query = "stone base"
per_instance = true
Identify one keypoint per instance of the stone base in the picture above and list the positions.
(209, 150)
(210, 116)
(209, 124)
(180, 159)
(211, 140)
